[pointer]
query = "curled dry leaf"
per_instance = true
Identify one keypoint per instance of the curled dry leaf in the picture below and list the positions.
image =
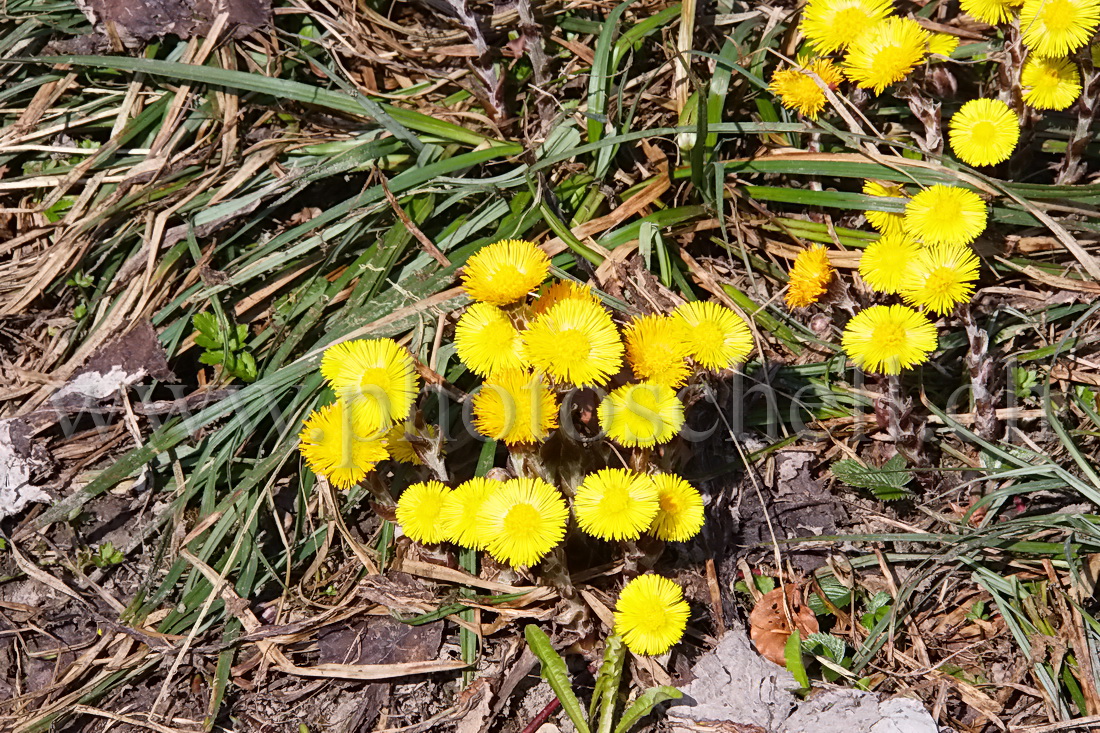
(768, 625)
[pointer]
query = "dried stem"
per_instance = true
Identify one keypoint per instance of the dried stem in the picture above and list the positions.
(983, 374)
(897, 413)
(483, 64)
(532, 42)
(1073, 164)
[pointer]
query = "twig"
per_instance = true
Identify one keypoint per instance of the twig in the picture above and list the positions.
(425, 242)
(542, 717)
(1073, 164)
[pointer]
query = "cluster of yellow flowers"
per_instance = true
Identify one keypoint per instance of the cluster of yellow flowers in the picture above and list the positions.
(923, 256)
(881, 49)
(530, 351)
(520, 520)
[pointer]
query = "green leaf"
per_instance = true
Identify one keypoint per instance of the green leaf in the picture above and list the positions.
(556, 675)
(835, 591)
(886, 483)
(644, 704)
(206, 342)
(833, 646)
(606, 689)
(207, 325)
(245, 369)
(212, 357)
(792, 652)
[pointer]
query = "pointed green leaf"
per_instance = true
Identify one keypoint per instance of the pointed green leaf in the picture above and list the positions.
(606, 689)
(644, 704)
(886, 483)
(212, 357)
(556, 675)
(792, 652)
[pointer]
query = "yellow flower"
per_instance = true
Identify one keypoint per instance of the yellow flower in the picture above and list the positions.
(486, 340)
(798, 90)
(641, 414)
(651, 614)
(810, 276)
(945, 214)
(943, 44)
(886, 260)
(984, 132)
(680, 513)
(559, 291)
(657, 349)
(889, 338)
(459, 515)
(505, 272)
(515, 407)
(615, 504)
(942, 275)
(522, 521)
(885, 53)
(375, 377)
(1058, 27)
(990, 11)
(418, 512)
(575, 342)
(885, 221)
(830, 25)
(333, 448)
(717, 336)
(400, 447)
(1050, 83)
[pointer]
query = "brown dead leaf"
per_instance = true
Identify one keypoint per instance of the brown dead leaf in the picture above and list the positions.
(768, 625)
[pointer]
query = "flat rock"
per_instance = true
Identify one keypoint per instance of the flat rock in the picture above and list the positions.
(735, 690)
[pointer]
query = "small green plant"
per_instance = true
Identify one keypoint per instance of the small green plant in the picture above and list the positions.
(886, 483)
(106, 556)
(877, 609)
(600, 717)
(225, 346)
(1024, 381)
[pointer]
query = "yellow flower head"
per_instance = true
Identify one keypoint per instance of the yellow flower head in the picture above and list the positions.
(651, 614)
(945, 215)
(993, 12)
(400, 447)
(375, 377)
(486, 340)
(505, 272)
(830, 25)
(559, 291)
(942, 276)
(885, 53)
(419, 511)
(984, 132)
(522, 521)
(1058, 27)
(657, 349)
(717, 336)
(1050, 83)
(515, 407)
(943, 44)
(886, 260)
(642, 414)
(810, 276)
(333, 448)
(615, 504)
(889, 338)
(575, 342)
(460, 512)
(798, 90)
(680, 513)
(884, 221)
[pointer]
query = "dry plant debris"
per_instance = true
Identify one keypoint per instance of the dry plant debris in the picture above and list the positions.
(898, 201)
